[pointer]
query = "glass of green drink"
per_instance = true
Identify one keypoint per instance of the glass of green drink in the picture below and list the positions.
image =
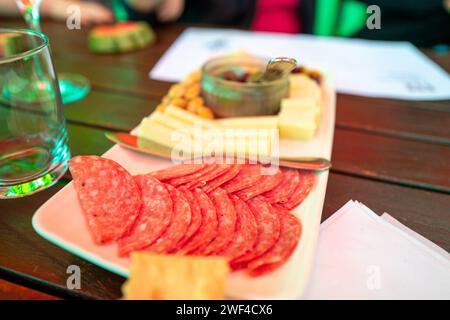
(33, 136)
(73, 87)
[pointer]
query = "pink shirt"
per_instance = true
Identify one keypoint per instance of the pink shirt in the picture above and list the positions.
(277, 16)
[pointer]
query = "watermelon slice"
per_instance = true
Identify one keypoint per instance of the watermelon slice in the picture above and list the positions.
(120, 37)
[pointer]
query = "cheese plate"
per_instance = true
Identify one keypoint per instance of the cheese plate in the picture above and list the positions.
(60, 220)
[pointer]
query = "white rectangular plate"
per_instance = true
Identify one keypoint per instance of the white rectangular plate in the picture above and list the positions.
(61, 221)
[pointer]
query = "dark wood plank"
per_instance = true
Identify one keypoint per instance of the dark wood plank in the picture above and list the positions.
(11, 291)
(127, 72)
(116, 78)
(415, 120)
(111, 111)
(87, 140)
(73, 43)
(402, 161)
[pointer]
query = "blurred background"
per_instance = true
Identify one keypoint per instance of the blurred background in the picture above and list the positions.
(425, 23)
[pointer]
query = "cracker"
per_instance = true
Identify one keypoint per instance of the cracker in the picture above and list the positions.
(171, 277)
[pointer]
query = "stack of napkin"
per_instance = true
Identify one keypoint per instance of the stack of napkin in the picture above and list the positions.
(361, 255)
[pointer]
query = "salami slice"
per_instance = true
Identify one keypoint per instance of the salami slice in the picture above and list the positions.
(290, 233)
(282, 191)
(196, 217)
(177, 171)
(247, 176)
(208, 228)
(223, 178)
(219, 169)
(268, 225)
(226, 217)
(178, 226)
(153, 218)
(193, 177)
(108, 195)
(264, 184)
(304, 187)
(246, 231)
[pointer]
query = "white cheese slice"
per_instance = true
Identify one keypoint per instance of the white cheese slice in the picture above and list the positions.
(188, 117)
(194, 130)
(236, 142)
(299, 103)
(302, 127)
(263, 122)
(301, 114)
(176, 140)
(157, 132)
(302, 86)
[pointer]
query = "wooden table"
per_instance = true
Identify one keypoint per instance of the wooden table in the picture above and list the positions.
(391, 155)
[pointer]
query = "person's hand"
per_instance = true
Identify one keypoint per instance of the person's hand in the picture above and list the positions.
(170, 10)
(166, 10)
(90, 13)
(144, 6)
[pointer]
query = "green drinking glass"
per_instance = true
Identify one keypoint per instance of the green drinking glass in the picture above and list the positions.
(72, 86)
(33, 135)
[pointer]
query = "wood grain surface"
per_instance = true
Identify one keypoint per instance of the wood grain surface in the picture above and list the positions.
(392, 155)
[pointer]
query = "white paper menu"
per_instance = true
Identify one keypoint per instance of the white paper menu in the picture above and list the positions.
(360, 67)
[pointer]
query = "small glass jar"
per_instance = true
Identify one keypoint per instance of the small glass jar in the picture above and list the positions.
(229, 98)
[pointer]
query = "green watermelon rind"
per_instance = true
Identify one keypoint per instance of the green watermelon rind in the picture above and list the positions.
(130, 40)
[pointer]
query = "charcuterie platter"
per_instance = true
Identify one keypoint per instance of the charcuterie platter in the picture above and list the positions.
(265, 225)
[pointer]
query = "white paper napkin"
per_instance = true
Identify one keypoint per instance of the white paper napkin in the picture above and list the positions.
(361, 255)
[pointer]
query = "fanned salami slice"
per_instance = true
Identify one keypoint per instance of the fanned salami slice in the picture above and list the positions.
(306, 184)
(226, 217)
(196, 217)
(177, 171)
(220, 169)
(178, 226)
(282, 191)
(264, 184)
(290, 233)
(192, 177)
(247, 176)
(208, 228)
(246, 231)
(223, 178)
(268, 225)
(108, 195)
(153, 218)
